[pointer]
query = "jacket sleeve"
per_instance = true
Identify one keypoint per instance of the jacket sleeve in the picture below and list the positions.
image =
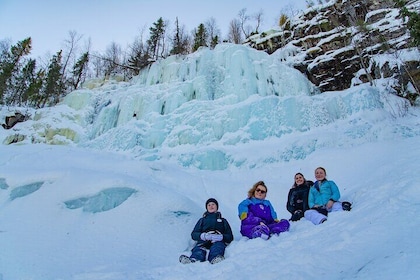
(227, 235)
(311, 197)
(305, 199)
(243, 209)
(335, 192)
(195, 234)
(289, 206)
(273, 212)
(251, 220)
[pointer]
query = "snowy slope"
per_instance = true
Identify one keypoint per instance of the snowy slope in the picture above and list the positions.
(104, 206)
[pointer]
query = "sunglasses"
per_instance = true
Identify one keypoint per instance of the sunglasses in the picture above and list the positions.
(260, 191)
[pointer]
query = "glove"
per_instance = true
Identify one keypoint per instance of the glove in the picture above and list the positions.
(297, 215)
(321, 210)
(346, 205)
(216, 237)
(205, 236)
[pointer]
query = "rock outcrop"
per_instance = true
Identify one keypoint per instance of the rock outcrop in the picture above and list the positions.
(345, 43)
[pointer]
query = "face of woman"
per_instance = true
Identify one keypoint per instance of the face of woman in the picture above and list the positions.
(319, 174)
(299, 180)
(260, 192)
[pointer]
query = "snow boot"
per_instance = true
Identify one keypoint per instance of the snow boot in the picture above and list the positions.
(185, 259)
(260, 230)
(217, 259)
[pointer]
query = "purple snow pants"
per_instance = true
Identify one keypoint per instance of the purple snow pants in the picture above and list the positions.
(265, 231)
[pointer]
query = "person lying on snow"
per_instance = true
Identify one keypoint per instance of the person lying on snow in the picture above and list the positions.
(212, 233)
(258, 218)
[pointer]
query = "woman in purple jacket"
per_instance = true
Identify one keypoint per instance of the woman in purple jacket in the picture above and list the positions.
(258, 218)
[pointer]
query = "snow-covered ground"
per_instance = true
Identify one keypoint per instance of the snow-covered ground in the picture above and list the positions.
(120, 198)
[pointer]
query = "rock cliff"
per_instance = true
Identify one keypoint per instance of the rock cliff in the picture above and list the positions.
(345, 43)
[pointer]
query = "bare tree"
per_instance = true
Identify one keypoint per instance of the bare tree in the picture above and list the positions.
(243, 20)
(213, 32)
(259, 19)
(98, 65)
(71, 46)
(87, 45)
(165, 48)
(235, 34)
(139, 54)
(112, 59)
(180, 40)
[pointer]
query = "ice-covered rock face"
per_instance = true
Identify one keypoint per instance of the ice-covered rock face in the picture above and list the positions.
(232, 94)
(339, 44)
(206, 81)
(201, 109)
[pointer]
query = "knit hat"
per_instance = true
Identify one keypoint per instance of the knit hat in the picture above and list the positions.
(212, 200)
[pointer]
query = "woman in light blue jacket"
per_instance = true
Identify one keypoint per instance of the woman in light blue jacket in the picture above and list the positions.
(323, 198)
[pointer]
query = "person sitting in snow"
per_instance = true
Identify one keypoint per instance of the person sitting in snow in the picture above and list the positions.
(323, 198)
(297, 199)
(213, 233)
(258, 218)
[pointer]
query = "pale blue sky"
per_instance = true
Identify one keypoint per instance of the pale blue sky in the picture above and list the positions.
(48, 22)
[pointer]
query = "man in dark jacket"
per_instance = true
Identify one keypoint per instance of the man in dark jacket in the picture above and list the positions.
(297, 200)
(213, 233)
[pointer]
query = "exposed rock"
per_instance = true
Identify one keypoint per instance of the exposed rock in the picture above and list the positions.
(15, 138)
(338, 44)
(12, 120)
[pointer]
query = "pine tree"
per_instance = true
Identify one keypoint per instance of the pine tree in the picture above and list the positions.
(22, 83)
(33, 93)
(180, 40)
(157, 37)
(139, 59)
(52, 83)
(413, 23)
(10, 67)
(79, 70)
(200, 37)
(214, 42)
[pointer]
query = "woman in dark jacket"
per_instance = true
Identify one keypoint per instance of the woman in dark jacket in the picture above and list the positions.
(297, 200)
(213, 233)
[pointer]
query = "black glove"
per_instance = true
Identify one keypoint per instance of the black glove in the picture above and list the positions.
(297, 215)
(346, 205)
(321, 210)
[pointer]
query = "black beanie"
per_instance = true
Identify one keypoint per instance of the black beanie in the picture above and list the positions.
(212, 200)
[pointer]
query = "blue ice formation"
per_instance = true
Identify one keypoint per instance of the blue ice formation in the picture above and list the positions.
(103, 201)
